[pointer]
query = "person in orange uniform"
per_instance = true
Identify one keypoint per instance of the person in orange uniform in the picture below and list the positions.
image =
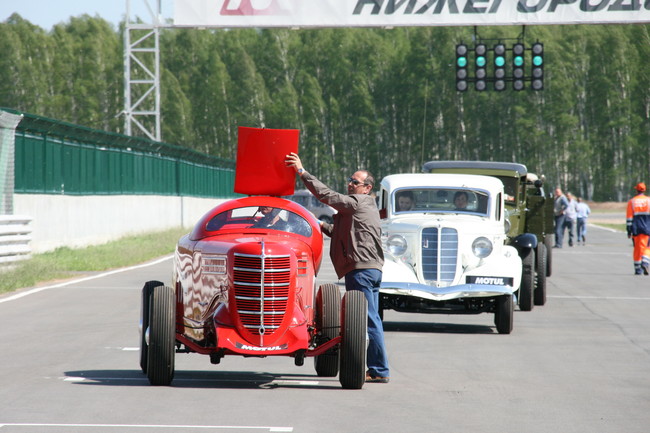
(638, 228)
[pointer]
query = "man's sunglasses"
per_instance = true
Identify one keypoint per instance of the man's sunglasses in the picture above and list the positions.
(355, 182)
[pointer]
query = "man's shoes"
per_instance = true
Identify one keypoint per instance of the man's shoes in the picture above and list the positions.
(371, 378)
(646, 268)
(557, 246)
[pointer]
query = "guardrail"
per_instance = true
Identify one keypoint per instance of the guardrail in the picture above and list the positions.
(15, 235)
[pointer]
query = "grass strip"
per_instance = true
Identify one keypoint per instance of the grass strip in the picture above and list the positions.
(67, 262)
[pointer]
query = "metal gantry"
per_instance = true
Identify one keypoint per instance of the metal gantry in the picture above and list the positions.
(142, 71)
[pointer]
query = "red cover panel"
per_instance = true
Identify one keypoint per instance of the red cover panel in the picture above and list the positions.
(260, 161)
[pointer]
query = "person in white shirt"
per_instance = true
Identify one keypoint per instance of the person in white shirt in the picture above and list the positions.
(570, 217)
(582, 213)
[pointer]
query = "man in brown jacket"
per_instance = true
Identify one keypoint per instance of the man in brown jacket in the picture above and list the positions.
(355, 251)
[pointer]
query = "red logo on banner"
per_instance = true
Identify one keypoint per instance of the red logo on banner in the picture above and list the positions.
(254, 7)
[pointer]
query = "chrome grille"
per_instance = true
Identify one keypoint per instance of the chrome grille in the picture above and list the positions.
(261, 285)
(439, 254)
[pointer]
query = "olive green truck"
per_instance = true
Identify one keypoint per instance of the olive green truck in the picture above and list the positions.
(529, 223)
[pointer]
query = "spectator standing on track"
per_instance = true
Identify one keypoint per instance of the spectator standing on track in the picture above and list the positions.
(356, 251)
(638, 228)
(570, 214)
(582, 213)
(559, 206)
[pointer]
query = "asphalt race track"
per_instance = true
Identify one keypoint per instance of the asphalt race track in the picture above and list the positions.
(581, 363)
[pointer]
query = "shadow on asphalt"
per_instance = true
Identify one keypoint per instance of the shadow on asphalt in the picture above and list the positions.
(438, 328)
(205, 379)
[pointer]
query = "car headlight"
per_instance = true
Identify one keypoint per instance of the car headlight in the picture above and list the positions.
(396, 245)
(507, 225)
(482, 247)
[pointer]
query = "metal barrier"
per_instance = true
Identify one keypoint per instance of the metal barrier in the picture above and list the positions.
(15, 235)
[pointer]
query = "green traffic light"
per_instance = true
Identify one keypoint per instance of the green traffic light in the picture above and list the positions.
(499, 61)
(518, 61)
(461, 62)
(480, 61)
(538, 60)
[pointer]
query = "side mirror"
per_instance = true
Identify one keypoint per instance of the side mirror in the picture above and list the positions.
(383, 214)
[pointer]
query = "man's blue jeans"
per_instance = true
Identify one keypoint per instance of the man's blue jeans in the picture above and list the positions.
(559, 230)
(368, 281)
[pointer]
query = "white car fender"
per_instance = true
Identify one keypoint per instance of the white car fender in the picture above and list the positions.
(397, 271)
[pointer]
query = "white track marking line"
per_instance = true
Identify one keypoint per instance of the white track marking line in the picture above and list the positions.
(154, 426)
(607, 298)
(81, 280)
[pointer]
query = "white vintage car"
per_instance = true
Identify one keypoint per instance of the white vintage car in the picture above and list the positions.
(444, 243)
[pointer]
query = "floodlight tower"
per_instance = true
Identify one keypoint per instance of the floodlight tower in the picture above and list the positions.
(142, 71)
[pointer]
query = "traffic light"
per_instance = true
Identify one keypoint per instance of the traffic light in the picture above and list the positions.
(518, 66)
(480, 64)
(499, 67)
(461, 67)
(538, 66)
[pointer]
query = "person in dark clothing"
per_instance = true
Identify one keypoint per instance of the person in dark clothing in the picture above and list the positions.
(559, 207)
(356, 251)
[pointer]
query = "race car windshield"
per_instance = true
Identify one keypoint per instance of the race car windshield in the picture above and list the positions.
(441, 200)
(260, 218)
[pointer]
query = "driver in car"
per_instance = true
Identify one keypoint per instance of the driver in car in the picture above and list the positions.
(270, 217)
(460, 200)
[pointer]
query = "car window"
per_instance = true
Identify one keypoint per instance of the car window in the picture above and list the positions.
(259, 217)
(456, 200)
(510, 186)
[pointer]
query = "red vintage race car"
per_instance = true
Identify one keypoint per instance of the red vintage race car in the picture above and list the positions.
(244, 284)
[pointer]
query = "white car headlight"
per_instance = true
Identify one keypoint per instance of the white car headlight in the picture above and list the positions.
(396, 245)
(482, 247)
(507, 225)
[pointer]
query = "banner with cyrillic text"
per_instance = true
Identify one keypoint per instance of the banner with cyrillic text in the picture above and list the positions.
(390, 13)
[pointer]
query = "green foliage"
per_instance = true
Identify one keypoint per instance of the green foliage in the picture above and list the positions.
(381, 99)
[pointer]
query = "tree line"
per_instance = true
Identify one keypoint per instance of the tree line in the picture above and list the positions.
(381, 99)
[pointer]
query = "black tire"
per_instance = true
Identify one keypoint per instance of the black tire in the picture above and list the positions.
(548, 242)
(504, 314)
(527, 279)
(160, 362)
(354, 327)
(144, 321)
(328, 326)
(540, 278)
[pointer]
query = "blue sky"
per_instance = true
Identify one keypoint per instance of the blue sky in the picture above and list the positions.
(46, 13)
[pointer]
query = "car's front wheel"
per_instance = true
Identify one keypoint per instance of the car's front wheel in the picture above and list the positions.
(161, 336)
(548, 242)
(144, 321)
(540, 282)
(354, 328)
(504, 314)
(328, 326)
(527, 279)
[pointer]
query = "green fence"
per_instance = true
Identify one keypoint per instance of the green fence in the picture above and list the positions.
(54, 157)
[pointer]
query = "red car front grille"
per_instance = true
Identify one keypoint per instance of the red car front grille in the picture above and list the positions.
(261, 285)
